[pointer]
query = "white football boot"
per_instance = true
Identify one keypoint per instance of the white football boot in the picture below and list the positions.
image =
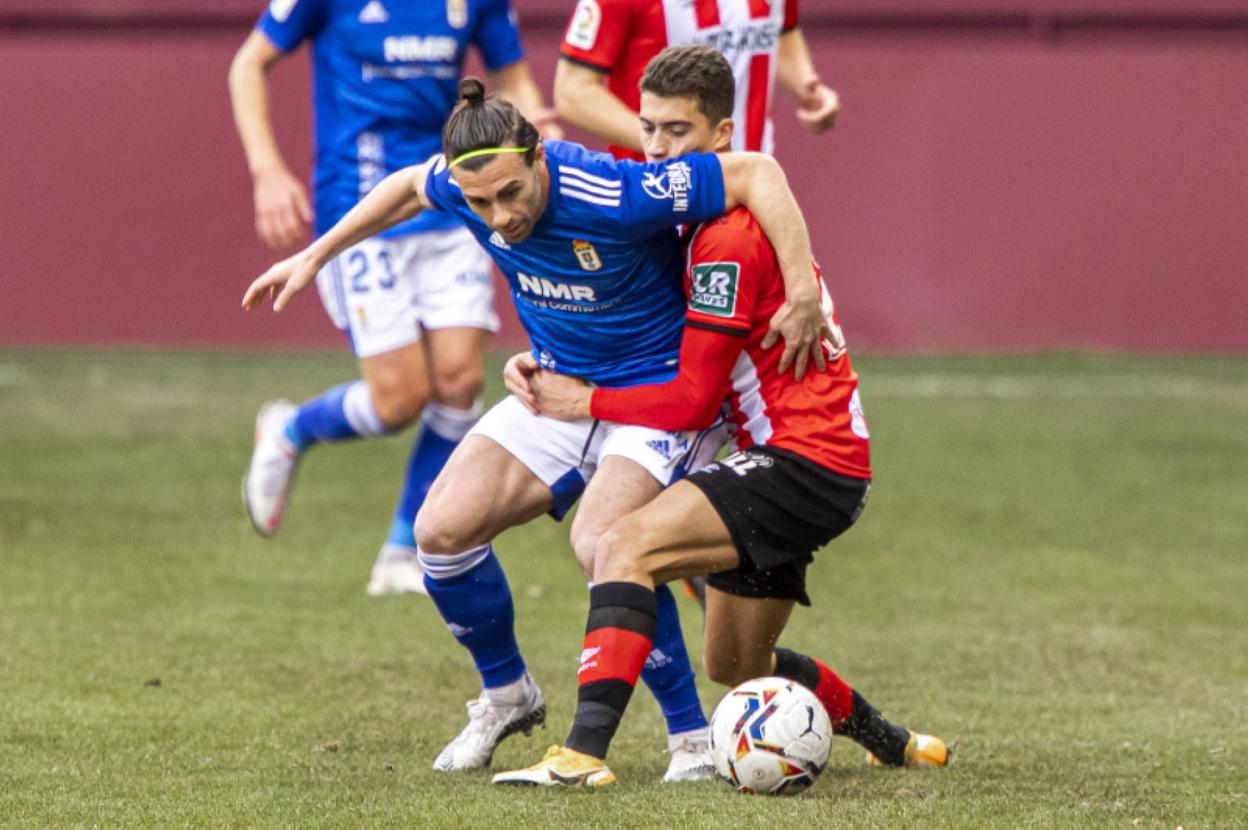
(691, 757)
(496, 714)
(396, 571)
(274, 460)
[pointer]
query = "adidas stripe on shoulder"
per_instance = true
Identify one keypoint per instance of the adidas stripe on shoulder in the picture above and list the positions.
(577, 184)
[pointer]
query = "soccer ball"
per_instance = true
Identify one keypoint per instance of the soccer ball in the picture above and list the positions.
(770, 736)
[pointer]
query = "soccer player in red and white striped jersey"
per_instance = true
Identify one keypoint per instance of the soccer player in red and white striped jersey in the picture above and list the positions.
(609, 42)
(753, 520)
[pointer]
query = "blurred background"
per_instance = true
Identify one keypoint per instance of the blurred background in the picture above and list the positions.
(1005, 175)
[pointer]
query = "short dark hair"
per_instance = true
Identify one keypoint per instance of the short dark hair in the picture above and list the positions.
(478, 122)
(696, 72)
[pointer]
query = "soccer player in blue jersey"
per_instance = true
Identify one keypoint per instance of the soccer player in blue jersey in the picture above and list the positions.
(587, 246)
(416, 302)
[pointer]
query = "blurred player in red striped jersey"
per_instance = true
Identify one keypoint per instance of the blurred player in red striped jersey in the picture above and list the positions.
(609, 42)
(800, 476)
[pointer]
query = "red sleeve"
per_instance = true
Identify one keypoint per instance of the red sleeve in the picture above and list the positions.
(688, 401)
(730, 260)
(790, 14)
(599, 31)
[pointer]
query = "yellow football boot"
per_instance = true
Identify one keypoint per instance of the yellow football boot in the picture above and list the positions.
(921, 751)
(561, 767)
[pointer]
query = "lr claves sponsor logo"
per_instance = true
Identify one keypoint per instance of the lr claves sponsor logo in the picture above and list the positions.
(673, 183)
(713, 288)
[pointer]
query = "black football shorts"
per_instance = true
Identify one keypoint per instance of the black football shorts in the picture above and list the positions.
(780, 508)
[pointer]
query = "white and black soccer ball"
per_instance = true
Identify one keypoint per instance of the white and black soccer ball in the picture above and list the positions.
(770, 736)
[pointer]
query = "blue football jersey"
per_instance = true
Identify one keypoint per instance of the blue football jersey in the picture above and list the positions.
(385, 77)
(597, 284)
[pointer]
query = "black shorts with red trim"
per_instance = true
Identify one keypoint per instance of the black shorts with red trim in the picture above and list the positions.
(779, 508)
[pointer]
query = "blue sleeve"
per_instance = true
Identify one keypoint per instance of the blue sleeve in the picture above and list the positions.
(498, 37)
(438, 185)
(683, 191)
(287, 23)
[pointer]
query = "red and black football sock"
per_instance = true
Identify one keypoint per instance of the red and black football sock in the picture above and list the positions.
(850, 713)
(618, 637)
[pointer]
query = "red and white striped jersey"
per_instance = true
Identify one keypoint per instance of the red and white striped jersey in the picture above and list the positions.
(734, 286)
(620, 37)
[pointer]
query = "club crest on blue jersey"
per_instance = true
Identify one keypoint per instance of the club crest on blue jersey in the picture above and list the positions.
(457, 13)
(597, 283)
(586, 256)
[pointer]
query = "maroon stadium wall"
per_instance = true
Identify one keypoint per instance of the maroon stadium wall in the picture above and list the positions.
(1007, 175)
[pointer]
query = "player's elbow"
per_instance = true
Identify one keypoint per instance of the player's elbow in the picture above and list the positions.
(237, 71)
(246, 67)
(749, 174)
(764, 168)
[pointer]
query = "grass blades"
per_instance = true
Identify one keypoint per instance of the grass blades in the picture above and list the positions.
(1051, 573)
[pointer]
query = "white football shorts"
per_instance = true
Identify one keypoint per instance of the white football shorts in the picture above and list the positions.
(565, 454)
(383, 291)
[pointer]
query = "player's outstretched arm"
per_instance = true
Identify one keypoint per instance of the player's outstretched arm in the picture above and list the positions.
(283, 211)
(582, 98)
(398, 197)
(817, 103)
(757, 182)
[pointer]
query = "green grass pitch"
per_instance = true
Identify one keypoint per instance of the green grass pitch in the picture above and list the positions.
(1053, 573)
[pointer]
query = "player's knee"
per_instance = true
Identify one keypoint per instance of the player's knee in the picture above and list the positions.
(585, 546)
(619, 554)
(458, 385)
(722, 668)
(439, 532)
(398, 398)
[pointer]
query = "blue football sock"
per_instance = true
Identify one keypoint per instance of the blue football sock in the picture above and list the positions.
(471, 592)
(442, 430)
(341, 413)
(668, 671)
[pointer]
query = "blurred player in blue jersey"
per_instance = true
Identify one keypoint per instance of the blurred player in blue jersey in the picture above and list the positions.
(417, 301)
(587, 247)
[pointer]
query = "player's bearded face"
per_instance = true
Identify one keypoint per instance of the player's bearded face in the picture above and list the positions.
(672, 127)
(508, 194)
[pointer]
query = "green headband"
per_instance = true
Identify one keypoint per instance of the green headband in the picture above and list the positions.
(487, 151)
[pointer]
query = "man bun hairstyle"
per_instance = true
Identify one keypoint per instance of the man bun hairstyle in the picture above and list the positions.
(481, 122)
(696, 72)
